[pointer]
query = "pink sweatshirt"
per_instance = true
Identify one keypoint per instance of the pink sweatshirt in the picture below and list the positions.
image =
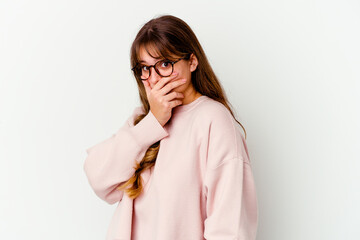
(201, 186)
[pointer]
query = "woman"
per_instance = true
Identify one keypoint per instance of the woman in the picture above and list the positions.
(179, 167)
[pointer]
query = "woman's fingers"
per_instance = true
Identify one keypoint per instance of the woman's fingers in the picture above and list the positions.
(161, 97)
(170, 86)
(175, 96)
(160, 84)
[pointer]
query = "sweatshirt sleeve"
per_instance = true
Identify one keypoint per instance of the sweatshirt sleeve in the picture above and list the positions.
(111, 161)
(231, 204)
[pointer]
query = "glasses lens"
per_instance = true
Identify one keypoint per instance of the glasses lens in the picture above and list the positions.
(144, 72)
(141, 72)
(164, 67)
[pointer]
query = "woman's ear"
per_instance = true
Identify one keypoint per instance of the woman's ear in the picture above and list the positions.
(193, 62)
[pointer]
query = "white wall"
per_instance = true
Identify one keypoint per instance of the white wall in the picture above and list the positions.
(290, 69)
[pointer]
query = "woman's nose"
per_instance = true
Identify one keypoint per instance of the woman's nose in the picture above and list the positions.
(154, 76)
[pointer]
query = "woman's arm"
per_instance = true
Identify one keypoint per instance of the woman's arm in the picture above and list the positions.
(231, 204)
(111, 161)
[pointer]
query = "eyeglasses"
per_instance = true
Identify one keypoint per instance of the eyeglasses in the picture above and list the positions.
(163, 67)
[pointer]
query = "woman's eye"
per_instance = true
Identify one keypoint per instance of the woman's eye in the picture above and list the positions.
(144, 68)
(165, 63)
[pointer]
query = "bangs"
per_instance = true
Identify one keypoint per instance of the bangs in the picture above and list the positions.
(157, 50)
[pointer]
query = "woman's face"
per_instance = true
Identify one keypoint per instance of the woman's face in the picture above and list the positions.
(183, 68)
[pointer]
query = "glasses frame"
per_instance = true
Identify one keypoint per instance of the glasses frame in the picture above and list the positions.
(172, 67)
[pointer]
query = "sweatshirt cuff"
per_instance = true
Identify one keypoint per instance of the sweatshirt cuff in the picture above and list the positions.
(148, 131)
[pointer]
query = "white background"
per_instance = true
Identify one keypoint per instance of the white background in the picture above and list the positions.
(290, 69)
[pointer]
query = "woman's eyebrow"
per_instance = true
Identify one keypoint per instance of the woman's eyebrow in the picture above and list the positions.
(142, 61)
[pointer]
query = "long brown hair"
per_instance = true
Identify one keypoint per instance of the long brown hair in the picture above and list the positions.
(170, 37)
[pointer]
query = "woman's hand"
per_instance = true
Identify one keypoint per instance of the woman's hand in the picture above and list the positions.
(161, 101)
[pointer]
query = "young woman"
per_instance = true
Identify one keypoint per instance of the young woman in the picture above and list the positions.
(179, 167)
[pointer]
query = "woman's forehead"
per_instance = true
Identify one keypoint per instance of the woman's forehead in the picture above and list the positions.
(150, 54)
(149, 50)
